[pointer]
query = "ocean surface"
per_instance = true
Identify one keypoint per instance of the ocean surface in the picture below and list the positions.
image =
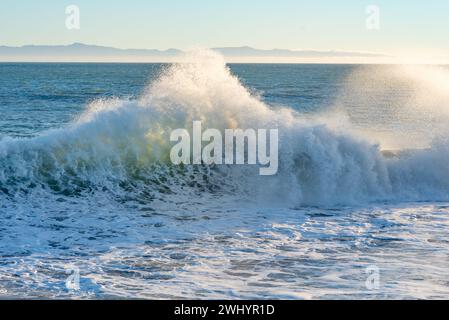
(359, 208)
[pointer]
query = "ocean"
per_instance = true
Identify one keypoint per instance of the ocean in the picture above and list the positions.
(90, 207)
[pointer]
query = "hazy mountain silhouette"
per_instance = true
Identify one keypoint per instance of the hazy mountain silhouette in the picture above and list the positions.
(84, 52)
(252, 52)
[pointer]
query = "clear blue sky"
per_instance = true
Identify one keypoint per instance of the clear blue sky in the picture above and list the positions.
(412, 25)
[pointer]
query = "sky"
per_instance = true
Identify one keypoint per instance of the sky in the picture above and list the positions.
(408, 28)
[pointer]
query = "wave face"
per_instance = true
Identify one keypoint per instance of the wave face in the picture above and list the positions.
(121, 147)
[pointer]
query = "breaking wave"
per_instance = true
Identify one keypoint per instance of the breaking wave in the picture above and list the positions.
(122, 147)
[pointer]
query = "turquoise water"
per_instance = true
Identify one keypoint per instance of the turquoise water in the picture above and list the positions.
(84, 187)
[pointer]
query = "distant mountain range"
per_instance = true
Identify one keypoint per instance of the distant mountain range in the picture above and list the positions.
(284, 53)
(94, 53)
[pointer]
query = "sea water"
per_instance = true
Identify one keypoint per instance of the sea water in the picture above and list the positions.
(359, 207)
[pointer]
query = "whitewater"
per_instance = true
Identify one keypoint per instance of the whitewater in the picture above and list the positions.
(100, 195)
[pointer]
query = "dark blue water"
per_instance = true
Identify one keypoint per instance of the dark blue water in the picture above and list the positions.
(38, 96)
